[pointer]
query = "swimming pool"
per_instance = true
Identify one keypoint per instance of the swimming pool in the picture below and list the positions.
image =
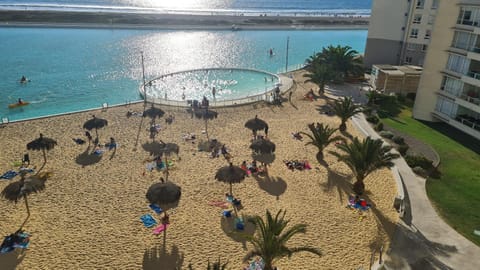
(76, 69)
(213, 83)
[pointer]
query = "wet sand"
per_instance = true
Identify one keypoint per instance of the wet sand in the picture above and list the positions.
(88, 215)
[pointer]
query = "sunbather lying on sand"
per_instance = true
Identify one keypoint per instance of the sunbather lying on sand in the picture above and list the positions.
(297, 136)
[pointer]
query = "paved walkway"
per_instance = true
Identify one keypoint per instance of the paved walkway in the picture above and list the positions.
(422, 239)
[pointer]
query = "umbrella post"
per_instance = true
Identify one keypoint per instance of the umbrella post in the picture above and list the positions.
(28, 211)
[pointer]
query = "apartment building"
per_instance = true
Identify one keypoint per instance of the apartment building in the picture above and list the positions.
(400, 31)
(449, 89)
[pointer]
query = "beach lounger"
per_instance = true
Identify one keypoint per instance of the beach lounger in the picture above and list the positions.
(159, 229)
(155, 208)
(148, 220)
(9, 174)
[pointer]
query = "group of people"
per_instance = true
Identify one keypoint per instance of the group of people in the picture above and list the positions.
(297, 165)
(216, 152)
(250, 168)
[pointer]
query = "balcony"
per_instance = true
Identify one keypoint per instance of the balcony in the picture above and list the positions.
(462, 122)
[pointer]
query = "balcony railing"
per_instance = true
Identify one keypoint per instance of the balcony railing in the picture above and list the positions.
(470, 99)
(474, 75)
(468, 22)
(469, 121)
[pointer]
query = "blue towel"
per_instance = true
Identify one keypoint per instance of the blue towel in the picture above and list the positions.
(9, 174)
(155, 208)
(148, 220)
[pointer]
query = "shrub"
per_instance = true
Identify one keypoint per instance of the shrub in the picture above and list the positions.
(419, 161)
(401, 98)
(398, 140)
(402, 149)
(379, 126)
(420, 171)
(373, 119)
(411, 96)
(386, 134)
(367, 111)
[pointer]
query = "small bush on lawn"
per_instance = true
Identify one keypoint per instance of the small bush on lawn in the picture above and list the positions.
(402, 149)
(379, 127)
(386, 134)
(419, 161)
(373, 119)
(398, 140)
(420, 171)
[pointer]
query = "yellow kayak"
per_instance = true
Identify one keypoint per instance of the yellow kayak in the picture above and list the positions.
(15, 105)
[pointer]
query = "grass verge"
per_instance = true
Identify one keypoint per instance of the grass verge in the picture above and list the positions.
(456, 195)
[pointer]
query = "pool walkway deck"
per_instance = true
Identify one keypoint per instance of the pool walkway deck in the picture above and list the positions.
(422, 239)
(286, 84)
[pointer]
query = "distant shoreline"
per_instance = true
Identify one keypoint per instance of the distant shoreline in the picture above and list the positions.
(176, 21)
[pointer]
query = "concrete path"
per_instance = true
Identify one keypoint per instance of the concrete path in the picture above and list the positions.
(422, 239)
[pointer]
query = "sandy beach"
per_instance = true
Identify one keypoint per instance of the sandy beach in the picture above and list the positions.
(88, 215)
(176, 21)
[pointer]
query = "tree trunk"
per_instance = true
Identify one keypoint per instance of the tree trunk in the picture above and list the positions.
(321, 90)
(343, 127)
(320, 155)
(28, 212)
(358, 187)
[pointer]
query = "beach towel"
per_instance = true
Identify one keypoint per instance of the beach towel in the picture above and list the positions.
(9, 175)
(155, 208)
(27, 170)
(239, 224)
(160, 228)
(220, 204)
(15, 240)
(148, 220)
(150, 166)
(98, 152)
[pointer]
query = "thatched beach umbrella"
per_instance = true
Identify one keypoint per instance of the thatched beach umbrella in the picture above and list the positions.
(263, 146)
(230, 174)
(160, 148)
(22, 188)
(255, 124)
(95, 123)
(42, 143)
(166, 195)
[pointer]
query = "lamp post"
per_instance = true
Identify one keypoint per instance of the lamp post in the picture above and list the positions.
(286, 60)
(143, 77)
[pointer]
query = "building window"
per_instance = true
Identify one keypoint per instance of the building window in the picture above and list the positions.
(408, 60)
(434, 4)
(424, 47)
(420, 4)
(414, 33)
(411, 46)
(463, 40)
(452, 86)
(445, 106)
(468, 16)
(457, 63)
(428, 34)
(431, 19)
(417, 19)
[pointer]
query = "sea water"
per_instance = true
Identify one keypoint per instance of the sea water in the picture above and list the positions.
(210, 7)
(75, 69)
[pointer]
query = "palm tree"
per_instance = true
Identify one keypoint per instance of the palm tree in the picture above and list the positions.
(344, 60)
(345, 108)
(321, 73)
(364, 157)
(270, 239)
(321, 137)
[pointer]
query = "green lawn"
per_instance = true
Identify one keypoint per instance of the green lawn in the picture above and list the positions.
(456, 195)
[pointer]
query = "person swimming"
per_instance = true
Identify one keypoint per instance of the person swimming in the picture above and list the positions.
(20, 101)
(23, 79)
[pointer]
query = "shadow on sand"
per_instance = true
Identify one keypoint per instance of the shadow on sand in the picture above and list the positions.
(274, 186)
(86, 158)
(159, 258)
(228, 227)
(10, 261)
